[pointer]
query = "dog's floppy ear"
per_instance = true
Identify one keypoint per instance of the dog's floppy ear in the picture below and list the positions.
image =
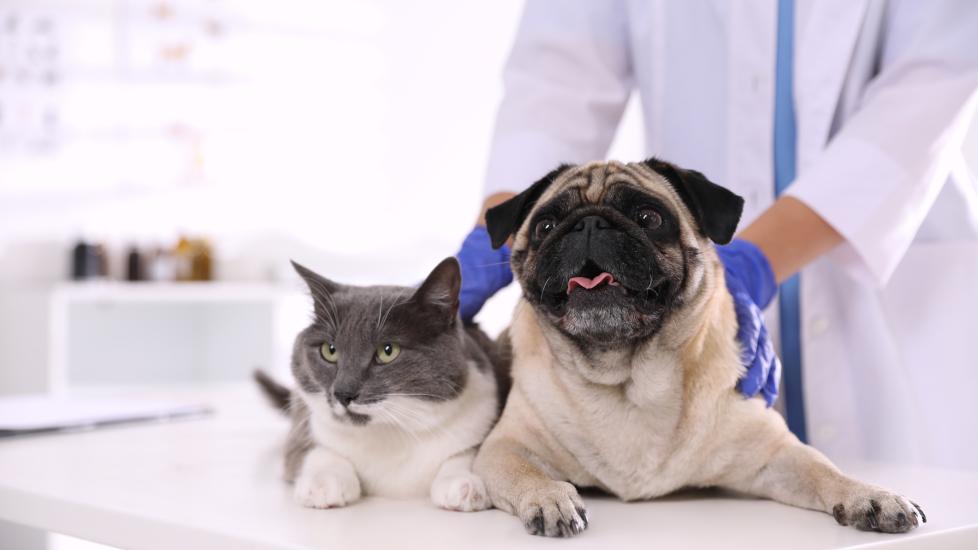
(506, 218)
(716, 209)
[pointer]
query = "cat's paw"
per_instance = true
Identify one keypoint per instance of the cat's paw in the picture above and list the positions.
(553, 509)
(878, 510)
(326, 490)
(464, 493)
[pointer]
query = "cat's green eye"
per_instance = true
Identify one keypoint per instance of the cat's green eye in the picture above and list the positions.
(329, 353)
(387, 353)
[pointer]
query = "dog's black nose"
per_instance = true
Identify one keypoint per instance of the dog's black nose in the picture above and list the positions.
(591, 223)
(345, 396)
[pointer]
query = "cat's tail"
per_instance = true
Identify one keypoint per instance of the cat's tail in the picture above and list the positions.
(278, 395)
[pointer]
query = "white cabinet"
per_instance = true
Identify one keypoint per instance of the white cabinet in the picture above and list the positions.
(110, 333)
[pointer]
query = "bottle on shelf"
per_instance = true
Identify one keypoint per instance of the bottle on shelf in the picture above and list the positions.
(183, 259)
(201, 262)
(161, 265)
(135, 270)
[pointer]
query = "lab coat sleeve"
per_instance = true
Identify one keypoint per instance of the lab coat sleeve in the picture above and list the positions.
(882, 171)
(566, 84)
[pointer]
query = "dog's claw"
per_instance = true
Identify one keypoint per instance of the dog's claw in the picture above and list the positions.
(884, 512)
(872, 516)
(553, 509)
(584, 516)
(535, 525)
(920, 511)
(839, 513)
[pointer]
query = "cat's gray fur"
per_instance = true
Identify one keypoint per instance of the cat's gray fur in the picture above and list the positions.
(444, 370)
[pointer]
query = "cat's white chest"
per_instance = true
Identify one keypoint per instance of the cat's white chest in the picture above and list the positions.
(401, 459)
(388, 462)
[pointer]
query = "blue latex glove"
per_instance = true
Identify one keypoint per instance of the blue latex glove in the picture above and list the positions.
(484, 271)
(751, 282)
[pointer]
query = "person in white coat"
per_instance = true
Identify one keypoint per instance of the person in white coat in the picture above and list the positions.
(879, 213)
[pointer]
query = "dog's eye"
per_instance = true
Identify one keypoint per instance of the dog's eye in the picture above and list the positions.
(648, 218)
(544, 227)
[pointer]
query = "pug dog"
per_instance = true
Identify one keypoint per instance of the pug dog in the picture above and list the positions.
(625, 360)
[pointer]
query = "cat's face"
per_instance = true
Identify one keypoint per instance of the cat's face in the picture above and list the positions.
(371, 351)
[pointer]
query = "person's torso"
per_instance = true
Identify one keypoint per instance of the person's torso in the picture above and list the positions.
(888, 373)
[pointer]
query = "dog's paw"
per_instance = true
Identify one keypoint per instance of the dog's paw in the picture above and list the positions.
(553, 509)
(879, 511)
(464, 493)
(326, 490)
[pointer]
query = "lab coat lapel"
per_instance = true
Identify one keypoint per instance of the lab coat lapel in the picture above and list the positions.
(825, 35)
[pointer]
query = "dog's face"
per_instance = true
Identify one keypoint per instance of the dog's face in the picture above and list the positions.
(604, 251)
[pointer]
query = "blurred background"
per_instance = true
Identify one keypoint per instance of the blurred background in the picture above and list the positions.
(161, 160)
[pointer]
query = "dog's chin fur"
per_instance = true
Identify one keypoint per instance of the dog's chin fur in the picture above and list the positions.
(607, 318)
(604, 327)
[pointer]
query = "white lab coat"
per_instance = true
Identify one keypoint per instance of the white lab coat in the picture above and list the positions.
(885, 97)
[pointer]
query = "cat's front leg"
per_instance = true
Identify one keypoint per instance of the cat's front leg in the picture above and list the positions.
(326, 480)
(456, 488)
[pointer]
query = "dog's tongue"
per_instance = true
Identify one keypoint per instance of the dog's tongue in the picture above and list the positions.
(588, 284)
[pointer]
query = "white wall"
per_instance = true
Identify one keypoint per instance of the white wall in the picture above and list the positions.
(350, 135)
(358, 130)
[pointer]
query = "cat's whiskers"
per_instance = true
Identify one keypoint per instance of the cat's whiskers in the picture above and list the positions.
(440, 397)
(332, 306)
(324, 299)
(544, 289)
(398, 421)
(327, 321)
(380, 312)
(419, 418)
(403, 410)
(325, 310)
(397, 301)
(320, 308)
(385, 416)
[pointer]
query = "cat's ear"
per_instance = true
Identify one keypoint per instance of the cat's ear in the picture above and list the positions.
(439, 291)
(319, 286)
(505, 219)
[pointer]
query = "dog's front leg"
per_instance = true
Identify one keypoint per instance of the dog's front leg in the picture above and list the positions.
(799, 475)
(522, 483)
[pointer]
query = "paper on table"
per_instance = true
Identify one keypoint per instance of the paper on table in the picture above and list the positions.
(44, 413)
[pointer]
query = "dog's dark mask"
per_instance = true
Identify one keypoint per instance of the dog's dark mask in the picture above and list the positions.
(609, 272)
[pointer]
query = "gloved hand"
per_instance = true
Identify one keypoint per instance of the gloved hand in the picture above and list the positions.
(751, 282)
(484, 271)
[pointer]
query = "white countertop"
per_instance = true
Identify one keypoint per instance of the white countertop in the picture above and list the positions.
(213, 483)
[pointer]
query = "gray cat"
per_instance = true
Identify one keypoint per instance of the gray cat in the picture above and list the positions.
(394, 395)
